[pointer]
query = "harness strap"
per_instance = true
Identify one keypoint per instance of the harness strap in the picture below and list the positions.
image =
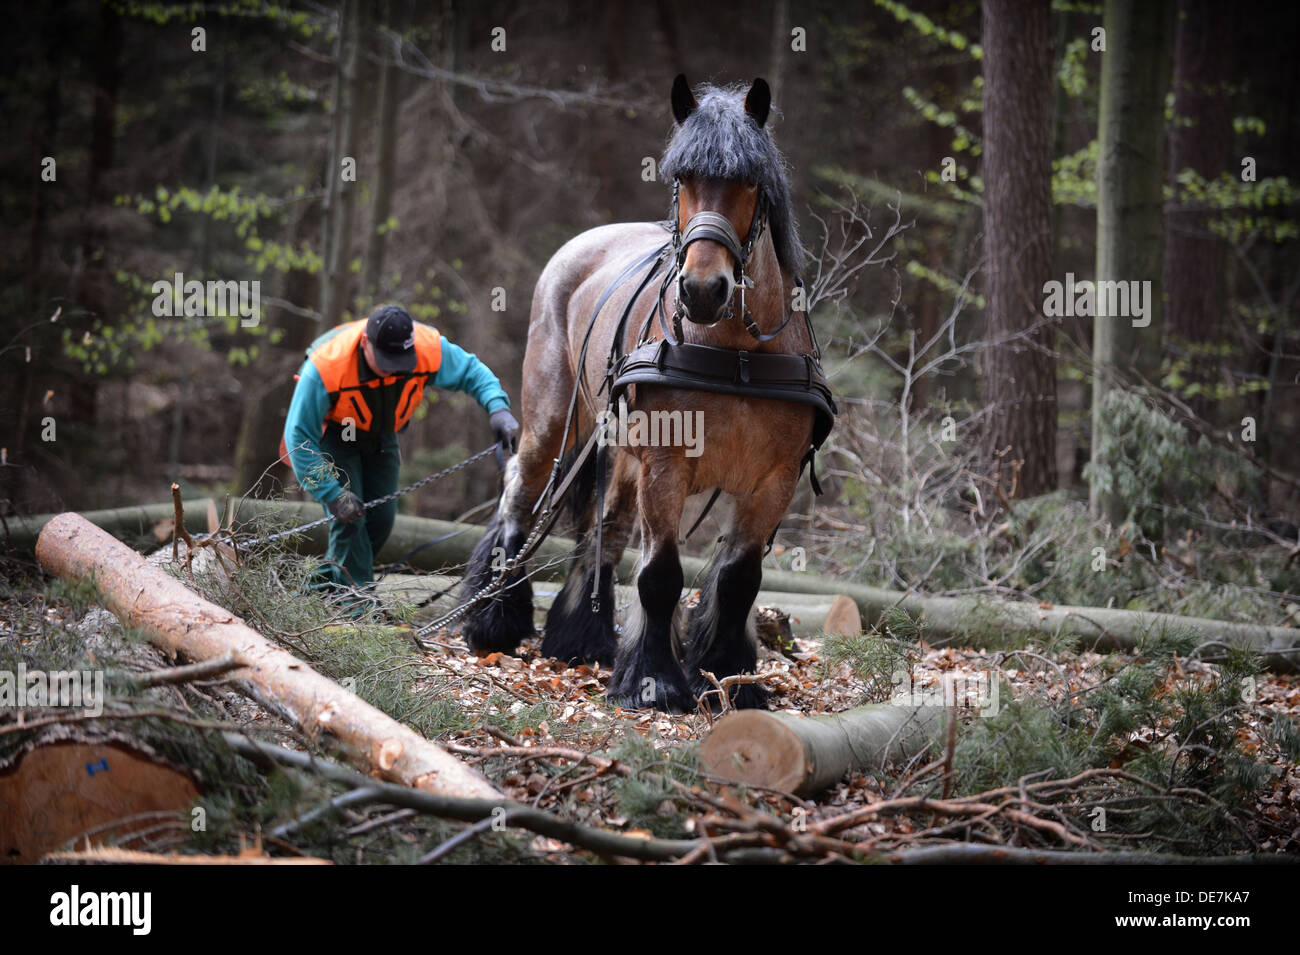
(779, 376)
(653, 256)
(784, 377)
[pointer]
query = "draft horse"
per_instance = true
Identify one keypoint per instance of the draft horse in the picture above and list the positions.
(640, 316)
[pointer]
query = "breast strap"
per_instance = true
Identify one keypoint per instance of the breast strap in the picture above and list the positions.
(730, 371)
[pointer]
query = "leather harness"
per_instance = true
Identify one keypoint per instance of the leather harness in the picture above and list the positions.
(674, 363)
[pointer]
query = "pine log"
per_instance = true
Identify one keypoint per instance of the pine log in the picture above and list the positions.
(114, 856)
(805, 754)
(19, 532)
(947, 619)
(810, 614)
(180, 622)
(113, 787)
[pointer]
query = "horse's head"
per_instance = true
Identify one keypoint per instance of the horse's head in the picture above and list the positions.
(724, 167)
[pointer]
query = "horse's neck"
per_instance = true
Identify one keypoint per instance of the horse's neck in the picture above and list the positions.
(770, 301)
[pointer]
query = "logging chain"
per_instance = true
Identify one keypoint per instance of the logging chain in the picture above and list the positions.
(445, 472)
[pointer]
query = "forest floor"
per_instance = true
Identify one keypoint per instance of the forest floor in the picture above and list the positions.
(809, 682)
(531, 725)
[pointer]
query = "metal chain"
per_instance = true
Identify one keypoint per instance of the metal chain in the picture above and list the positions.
(379, 500)
(540, 528)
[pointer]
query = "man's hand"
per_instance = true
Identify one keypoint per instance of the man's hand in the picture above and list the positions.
(347, 507)
(506, 428)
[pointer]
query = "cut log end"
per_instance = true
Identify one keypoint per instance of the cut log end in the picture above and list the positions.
(843, 619)
(756, 749)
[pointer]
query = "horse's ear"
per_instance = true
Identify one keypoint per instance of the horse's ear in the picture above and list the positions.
(758, 101)
(683, 99)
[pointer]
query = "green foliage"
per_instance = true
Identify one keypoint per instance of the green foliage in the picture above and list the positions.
(1195, 783)
(1147, 459)
(928, 28)
(963, 139)
(943, 283)
(1072, 72)
(876, 657)
(646, 796)
(1267, 207)
(1074, 178)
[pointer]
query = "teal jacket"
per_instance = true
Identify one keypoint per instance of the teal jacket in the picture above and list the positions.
(459, 371)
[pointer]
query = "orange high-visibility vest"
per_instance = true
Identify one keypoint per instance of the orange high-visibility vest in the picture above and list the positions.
(338, 361)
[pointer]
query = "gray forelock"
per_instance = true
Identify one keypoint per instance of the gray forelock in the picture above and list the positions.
(720, 141)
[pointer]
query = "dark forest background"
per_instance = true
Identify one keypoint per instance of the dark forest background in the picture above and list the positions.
(474, 164)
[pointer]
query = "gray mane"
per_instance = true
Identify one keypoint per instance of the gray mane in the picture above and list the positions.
(721, 141)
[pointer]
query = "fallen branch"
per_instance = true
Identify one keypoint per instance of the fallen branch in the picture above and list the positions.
(965, 854)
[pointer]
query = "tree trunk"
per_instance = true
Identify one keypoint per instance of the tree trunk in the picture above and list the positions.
(340, 194)
(1198, 140)
(385, 157)
(805, 754)
(180, 622)
(1019, 369)
(1130, 178)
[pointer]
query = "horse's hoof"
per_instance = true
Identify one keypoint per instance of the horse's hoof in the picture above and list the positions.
(499, 627)
(573, 651)
(633, 692)
(575, 634)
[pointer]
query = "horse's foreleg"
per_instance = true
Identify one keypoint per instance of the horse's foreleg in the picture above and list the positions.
(575, 631)
(501, 621)
(718, 637)
(646, 671)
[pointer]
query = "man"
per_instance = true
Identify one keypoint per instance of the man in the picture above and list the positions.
(359, 387)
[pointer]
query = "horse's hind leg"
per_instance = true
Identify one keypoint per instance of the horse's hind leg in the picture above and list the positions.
(718, 638)
(501, 621)
(574, 632)
(646, 671)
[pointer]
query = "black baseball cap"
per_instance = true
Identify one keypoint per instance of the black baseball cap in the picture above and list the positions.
(392, 333)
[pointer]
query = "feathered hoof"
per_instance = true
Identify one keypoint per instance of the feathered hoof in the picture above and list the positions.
(637, 686)
(501, 624)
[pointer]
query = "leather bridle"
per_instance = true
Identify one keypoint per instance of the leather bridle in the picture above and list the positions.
(716, 227)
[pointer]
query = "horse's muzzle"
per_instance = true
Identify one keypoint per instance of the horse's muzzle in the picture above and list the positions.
(706, 300)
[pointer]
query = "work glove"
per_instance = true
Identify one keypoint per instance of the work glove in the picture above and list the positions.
(506, 429)
(347, 507)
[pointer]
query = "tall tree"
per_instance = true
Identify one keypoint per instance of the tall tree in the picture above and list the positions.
(1130, 224)
(340, 194)
(1020, 367)
(1199, 138)
(385, 157)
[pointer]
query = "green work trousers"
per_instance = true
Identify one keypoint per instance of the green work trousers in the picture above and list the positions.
(367, 468)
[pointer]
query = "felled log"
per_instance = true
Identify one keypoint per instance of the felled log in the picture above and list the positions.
(808, 614)
(805, 754)
(182, 623)
(19, 532)
(947, 619)
(103, 784)
(113, 856)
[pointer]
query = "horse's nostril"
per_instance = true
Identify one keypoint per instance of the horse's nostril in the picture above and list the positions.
(718, 288)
